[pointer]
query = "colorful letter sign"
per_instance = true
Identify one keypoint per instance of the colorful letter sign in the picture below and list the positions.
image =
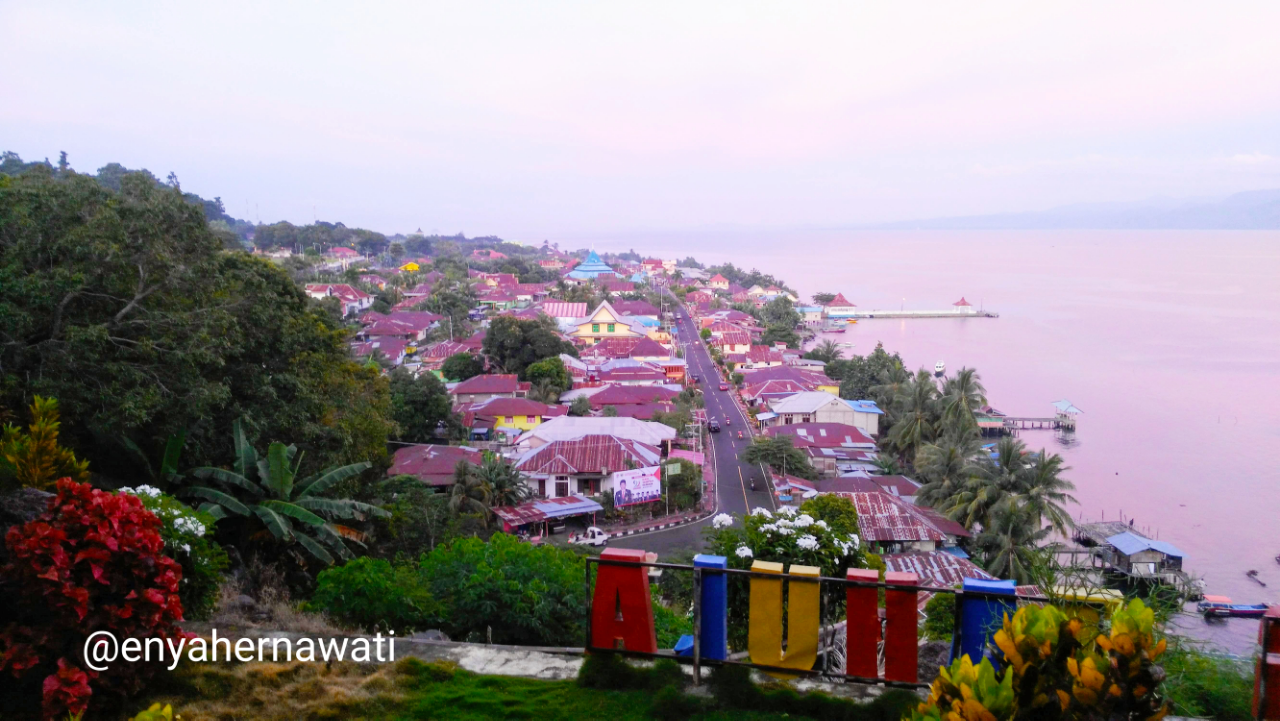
(621, 608)
(764, 641)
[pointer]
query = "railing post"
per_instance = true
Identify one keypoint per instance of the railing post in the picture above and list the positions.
(621, 606)
(902, 628)
(862, 627)
(711, 607)
(982, 616)
(1266, 681)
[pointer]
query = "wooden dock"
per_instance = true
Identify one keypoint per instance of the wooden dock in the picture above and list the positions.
(1059, 421)
(860, 315)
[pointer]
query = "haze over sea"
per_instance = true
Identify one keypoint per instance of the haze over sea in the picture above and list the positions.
(1169, 341)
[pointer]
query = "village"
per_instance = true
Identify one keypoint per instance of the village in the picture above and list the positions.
(668, 356)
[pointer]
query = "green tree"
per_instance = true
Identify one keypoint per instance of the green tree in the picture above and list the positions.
(823, 298)
(705, 333)
(826, 351)
(461, 366)
(1009, 543)
(781, 312)
(469, 494)
(946, 468)
(779, 453)
(1016, 485)
(125, 307)
(267, 492)
(396, 251)
(581, 406)
(421, 407)
(780, 334)
(863, 373)
(512, 345)
(836, 511)
(963, 395)
(610, 412)
(917, 413)
(507, 486)
(420, 519)
(521, 593)
(553, 373)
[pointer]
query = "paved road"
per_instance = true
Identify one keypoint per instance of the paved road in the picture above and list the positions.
(733, 478)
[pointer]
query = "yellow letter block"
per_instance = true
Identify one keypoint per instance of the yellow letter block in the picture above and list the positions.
(764, 642)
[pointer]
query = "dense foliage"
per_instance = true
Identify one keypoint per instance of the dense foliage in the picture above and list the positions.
(461, 366)
(188, 539)
(93, 562)
(422, 408)
(125, 307)
(512, 345)
(375, 595)
(267, 492)
(779, 453)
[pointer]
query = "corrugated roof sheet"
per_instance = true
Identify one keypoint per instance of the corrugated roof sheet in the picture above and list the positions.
(589, 454)
(884, 517)
(935, 568)
(1130, 543)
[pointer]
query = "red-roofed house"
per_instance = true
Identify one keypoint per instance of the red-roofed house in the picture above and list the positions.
(353, 299)
(892, 524)
(758, 394)
(343, 252)
(563, 468)
(938, 569)
(823, 435)
(964, 306)
(840, 307)
(732, 341)
(719, 282)
(433, 465)
(630, 395)
(512, 416)
(487, 254)
(483, 387)
(376, 281)
(395, 350)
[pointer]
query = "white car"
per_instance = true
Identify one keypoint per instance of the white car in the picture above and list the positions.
(593, 536)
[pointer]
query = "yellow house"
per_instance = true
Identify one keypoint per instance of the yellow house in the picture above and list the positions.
(514, 414)
(605, 322)
(411, 267)
(832, 389)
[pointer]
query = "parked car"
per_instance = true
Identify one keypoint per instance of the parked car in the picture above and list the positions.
(555, 526)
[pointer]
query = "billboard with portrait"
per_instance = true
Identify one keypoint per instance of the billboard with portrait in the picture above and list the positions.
(642, 485)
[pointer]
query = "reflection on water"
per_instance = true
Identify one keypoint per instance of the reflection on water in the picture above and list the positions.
(1168, 341)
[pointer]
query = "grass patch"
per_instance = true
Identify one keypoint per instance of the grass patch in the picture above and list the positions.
(1207, 685)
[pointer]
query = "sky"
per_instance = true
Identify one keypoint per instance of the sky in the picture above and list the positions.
(564, 120)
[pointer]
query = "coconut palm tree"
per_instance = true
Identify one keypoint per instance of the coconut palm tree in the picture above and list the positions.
(469, 493)
(826, 351)
(946, 467)
(962, 396)
(917, 411)
(268, 490)
(1044, 493)
(507, 486)
(1009, 545)
(997, 479)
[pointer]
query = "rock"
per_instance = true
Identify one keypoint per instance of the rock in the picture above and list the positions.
(932, 656)
(22, 505)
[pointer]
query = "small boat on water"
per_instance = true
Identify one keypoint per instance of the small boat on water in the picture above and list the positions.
(1221, 606)
(852, 321)
(939, 368)
(1254, 576)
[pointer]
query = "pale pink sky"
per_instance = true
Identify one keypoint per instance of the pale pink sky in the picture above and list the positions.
(539, 120)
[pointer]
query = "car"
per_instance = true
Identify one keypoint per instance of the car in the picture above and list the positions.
(713, 426)
(724, 386)
(593, 536)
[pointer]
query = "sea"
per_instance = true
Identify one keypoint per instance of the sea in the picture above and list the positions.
(1168, 341)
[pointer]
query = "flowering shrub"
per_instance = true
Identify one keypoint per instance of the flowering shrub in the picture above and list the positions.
(188, 539)
(93, 562)
(33, 458)
(789, 537)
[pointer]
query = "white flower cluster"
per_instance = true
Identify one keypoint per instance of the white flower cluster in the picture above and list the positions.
(761, 512)
(820, 524)
(722, 520)
(189, 525)
(769, 528)
(787, 511)
(804, 521)
(807, 542)
(150, 491)
(848, 545)
(744, 552)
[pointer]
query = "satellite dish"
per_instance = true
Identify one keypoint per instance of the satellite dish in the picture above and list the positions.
(809, 494)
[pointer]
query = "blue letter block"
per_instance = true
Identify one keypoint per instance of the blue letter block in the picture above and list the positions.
(715, 607)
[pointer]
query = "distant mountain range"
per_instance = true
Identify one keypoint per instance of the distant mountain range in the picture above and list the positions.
(1252, 210)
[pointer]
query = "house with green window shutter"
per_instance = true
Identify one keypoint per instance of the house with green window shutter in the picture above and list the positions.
(606, 322)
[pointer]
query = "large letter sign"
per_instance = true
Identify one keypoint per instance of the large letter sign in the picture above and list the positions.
(764, 641)
(621, 608)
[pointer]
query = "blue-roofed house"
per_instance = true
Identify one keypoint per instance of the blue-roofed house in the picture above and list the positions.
(1139, 556)
(590, 268)
(866, 416)
(810, 314)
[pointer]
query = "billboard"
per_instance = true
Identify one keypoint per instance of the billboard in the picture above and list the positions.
(642, 485)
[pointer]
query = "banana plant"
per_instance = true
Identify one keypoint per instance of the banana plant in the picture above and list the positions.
(268, 489)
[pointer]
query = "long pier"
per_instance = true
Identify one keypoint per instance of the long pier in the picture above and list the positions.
(1060, 421)
(923, 314)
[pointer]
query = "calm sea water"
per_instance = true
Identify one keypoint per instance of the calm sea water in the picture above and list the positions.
(1168, 341)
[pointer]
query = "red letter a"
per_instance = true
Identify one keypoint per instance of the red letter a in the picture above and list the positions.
(621, 609)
